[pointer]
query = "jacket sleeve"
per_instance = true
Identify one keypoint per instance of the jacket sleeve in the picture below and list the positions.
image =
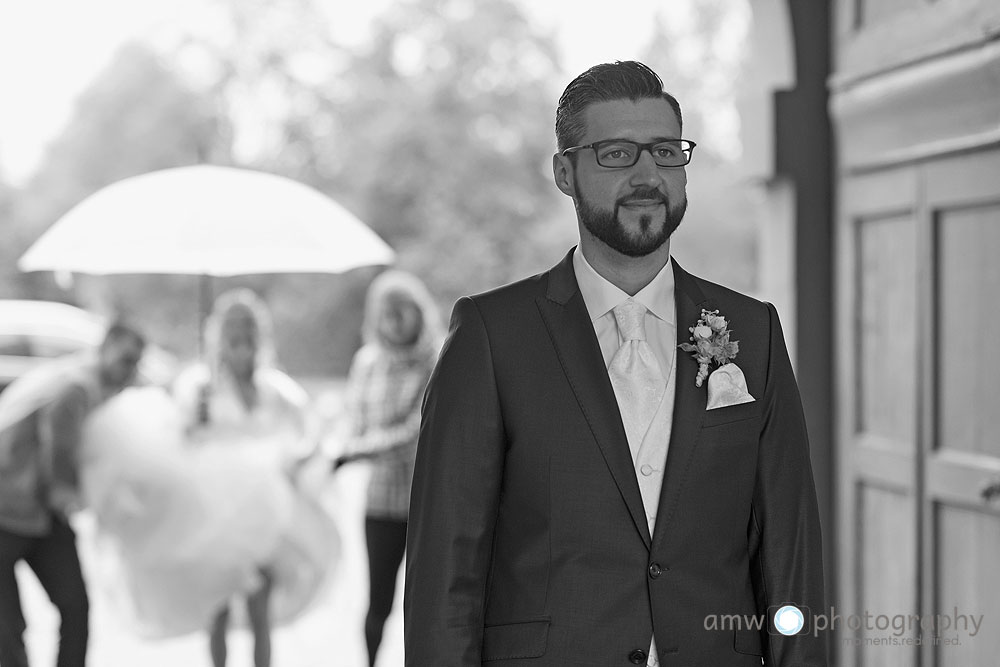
(374, 439)
(60, 429)
(454, 500)
(388, 441)
(786, 548)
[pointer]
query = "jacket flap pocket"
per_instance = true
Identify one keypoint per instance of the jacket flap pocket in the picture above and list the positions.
(748, 641)
(730, 413)
(515, 640)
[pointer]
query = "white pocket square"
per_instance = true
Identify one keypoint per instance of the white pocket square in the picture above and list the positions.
(727, 386)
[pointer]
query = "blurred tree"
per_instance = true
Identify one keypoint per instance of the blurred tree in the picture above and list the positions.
(698, 52)
(262, 62)
(267, 65)
(698, 48)
(137, 116)
(450, 116)
(437, 133)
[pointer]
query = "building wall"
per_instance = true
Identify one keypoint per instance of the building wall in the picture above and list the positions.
(783, 102)
(915, 106)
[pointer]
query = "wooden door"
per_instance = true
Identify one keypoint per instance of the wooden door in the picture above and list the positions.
(919, 418)
(961, 407)
(880, 232)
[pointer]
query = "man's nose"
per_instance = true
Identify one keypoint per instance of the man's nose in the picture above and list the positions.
(645, 171)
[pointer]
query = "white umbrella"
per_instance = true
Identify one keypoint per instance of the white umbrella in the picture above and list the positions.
(207, 220)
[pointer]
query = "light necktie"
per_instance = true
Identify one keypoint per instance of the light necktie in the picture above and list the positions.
(635, 374)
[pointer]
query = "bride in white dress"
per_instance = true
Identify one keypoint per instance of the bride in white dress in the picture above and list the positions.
(194, 493)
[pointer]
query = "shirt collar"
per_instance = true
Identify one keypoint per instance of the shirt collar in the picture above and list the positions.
(601, 296)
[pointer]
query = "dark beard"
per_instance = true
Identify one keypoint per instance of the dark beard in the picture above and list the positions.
(606, 226)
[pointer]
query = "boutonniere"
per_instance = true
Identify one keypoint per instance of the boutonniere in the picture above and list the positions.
(710, 343)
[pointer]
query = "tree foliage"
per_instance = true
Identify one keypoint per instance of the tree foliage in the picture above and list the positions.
(137, 116)
(698, 57)
(437, 132)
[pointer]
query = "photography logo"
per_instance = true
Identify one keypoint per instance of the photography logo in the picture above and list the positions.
(789, 620)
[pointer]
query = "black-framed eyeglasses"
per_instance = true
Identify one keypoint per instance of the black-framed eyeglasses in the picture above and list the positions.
(620, 153)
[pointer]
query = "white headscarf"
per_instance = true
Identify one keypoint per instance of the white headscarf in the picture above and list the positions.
(406, 285)
(239, 299)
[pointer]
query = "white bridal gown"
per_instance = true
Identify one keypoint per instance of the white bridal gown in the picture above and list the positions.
(184, 527)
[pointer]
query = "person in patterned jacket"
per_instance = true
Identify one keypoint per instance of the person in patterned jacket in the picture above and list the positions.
(402, 335)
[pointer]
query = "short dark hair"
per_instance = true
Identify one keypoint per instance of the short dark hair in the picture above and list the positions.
(619, 80)
(119, 331)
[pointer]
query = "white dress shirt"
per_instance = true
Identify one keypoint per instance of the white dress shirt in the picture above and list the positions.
(600, 296)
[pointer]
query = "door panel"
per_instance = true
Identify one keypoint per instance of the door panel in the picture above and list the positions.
(878, 326)
(968, 329)
(962, 458)
(887, 584)
(887, 334)
(969, 544)
(919, 419)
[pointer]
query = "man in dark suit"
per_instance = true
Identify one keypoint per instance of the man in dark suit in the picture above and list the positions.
(586, 492)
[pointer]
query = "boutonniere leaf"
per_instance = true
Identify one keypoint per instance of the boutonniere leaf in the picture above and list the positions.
(710, 343)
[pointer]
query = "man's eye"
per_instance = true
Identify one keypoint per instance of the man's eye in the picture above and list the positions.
(617, 154)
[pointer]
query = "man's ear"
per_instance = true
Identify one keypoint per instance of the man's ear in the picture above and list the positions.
(562, 171)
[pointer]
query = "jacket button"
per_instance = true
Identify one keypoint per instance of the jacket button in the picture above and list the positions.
(655, 570)
(637, 657)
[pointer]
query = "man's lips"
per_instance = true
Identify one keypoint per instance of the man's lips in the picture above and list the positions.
(642, 202)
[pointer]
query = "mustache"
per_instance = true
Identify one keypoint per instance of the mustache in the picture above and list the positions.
(644, 194)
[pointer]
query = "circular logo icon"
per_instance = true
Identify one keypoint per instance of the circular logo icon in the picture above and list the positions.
(789, 620)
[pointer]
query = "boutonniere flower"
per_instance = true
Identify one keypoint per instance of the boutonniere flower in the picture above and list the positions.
(710, 343)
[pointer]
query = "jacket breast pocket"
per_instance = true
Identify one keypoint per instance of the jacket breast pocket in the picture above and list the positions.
(731, 413)
(515, 640)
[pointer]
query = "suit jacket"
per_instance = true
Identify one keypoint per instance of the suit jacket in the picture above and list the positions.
(528, 544)
(41, 419)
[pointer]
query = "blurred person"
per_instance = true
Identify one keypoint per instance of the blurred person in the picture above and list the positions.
(197, 496)
(613, 451)
(239, 401)
(401, 335)
(42, 418)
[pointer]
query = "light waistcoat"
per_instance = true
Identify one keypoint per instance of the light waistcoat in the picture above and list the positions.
(600, 296)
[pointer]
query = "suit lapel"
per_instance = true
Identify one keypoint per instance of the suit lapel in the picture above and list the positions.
(689, 401)
(568, 322)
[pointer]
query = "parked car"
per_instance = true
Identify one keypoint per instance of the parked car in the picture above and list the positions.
(33, 331)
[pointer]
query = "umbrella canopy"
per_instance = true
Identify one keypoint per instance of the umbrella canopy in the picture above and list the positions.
(207, 220)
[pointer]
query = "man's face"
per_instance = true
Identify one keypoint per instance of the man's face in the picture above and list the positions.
(634, 210)
(119, 360)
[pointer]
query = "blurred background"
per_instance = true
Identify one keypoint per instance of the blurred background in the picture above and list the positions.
(431, 120)
(847, 170)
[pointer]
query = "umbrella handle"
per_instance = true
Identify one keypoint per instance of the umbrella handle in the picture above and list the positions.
(206, 296)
